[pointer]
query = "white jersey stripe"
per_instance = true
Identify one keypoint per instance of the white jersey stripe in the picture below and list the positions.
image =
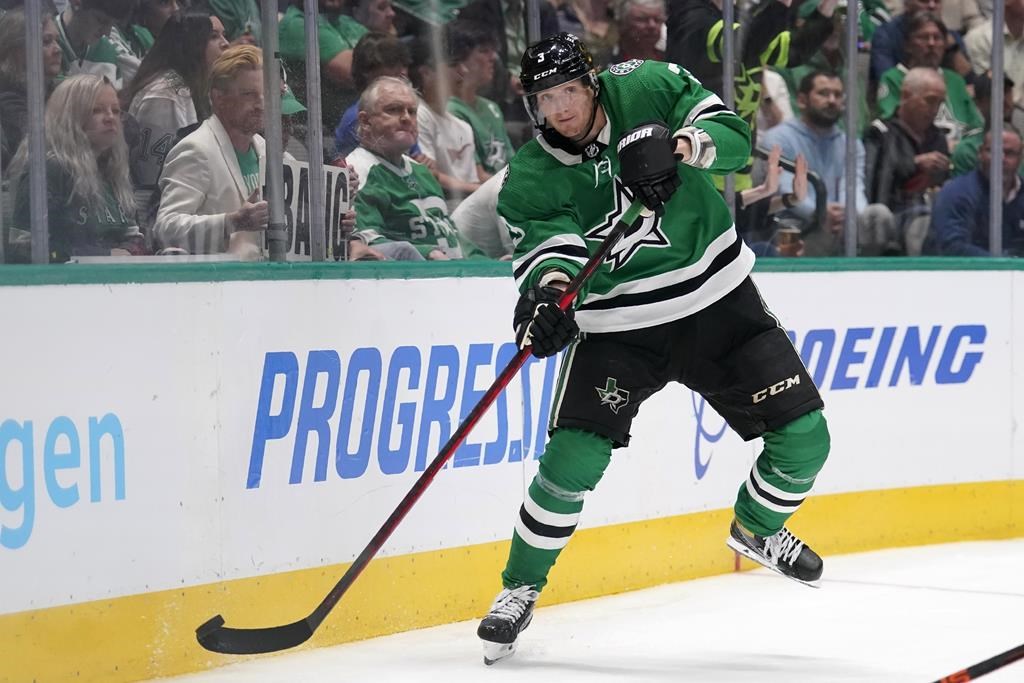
(648, 315)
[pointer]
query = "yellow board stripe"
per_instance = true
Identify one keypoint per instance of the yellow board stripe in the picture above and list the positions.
(149, 635)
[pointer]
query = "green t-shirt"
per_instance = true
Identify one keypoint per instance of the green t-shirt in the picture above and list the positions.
(336, 35)
(958, 116)
(239, 17)
(249, 165)
(493, 146)
(558, 207)
(402, 205)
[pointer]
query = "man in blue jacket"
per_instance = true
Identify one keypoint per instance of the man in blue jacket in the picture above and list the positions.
(960, 217)
(820, 98)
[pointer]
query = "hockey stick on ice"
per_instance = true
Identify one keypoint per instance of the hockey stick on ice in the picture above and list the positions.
(986, 667)
(215, 636)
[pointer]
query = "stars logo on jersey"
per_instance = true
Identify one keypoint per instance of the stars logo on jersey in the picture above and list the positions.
(623, 68)
(647, 234)
(612, 396)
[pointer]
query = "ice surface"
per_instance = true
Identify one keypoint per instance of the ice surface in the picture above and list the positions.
(912, 614)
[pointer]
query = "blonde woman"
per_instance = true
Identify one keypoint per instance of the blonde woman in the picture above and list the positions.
(89, 196)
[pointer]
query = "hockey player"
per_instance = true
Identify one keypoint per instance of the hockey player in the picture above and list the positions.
(672, 302)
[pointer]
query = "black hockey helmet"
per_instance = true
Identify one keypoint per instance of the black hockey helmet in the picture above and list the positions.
(553, 61)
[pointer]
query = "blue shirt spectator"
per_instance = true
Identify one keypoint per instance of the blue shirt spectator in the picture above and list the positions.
(961, 214)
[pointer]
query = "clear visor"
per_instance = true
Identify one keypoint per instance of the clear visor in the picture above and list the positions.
(572, 96)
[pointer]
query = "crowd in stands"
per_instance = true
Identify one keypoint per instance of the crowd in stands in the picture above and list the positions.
(154, 120)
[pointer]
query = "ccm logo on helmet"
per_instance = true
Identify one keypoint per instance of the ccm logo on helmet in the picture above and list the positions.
(545, 73)
(633, 137)
(776, 388)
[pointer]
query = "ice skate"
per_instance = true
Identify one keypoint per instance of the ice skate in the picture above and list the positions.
(509, 616)
(782, 552)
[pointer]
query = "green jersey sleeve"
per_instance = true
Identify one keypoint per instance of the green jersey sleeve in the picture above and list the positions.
(721, 140)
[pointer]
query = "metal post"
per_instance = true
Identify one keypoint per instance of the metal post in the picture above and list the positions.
(277, 237)
(36, 141)
(995, 186)
(852, 138)
(315, 135)
(532, 21)
(729, 85)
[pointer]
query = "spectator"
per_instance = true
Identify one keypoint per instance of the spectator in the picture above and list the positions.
(445, 140)
(979, 46)
(641, 30)
(695, 40)
(243, 24)
(887, 46)
(816, 136)
(907, 157)
(81, 27)
(965, 156)
(831, 56)
(169, 93)
(89, 195)
(153, 14)
(130, 41)
(960, 222)
(338, 34)
(473, 57)
(505, 22)
(926, 36)
(211, 182)
(375, 55)
(399, 201)
(375, 15)
(13, 86)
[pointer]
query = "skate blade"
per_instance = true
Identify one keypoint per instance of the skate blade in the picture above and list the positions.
(494, 652)
(750, 554)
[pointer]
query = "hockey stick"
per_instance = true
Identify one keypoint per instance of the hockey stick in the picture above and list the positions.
(216, 637)
(986, 667)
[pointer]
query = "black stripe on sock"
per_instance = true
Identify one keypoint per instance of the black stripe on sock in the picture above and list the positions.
(773, 499)
(545, 530)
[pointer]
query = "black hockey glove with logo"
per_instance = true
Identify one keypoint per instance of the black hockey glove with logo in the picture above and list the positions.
(648, 165)
(539, 321)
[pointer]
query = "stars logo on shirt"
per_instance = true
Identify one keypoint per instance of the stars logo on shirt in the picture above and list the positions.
(647, 233)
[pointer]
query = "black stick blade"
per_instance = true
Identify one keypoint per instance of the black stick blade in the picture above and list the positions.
(216, 637)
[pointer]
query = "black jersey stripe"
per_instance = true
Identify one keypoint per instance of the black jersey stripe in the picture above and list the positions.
(570, 251)
(545, 530)
(730, 254)
(771, 498)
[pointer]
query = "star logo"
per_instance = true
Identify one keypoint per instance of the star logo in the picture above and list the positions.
(612, 396)
(647, 233)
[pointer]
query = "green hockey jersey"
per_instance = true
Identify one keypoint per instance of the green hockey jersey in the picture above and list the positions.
(558, 207)
(401, 205)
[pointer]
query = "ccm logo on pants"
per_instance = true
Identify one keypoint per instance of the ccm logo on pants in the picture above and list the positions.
(776, 388)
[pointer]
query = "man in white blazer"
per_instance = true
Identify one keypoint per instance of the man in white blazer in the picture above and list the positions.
(212, 180)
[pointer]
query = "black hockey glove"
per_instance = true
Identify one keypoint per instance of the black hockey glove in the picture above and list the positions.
(648, 165)
(539, 321)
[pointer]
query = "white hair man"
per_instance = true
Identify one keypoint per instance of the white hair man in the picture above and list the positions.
(399, 201)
